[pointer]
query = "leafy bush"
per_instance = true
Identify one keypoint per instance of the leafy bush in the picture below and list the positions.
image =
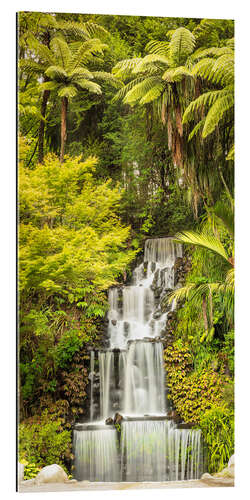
(30, 470)
(43, 441)
(217, 425)
(194, 392)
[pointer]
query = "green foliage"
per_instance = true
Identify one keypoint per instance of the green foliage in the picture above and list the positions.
(43, 441)
(192, 392)
(30, 470)
(69, 343)
(217, 426)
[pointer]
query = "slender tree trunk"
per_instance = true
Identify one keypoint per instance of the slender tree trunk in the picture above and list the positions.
(63, 126)
(204, 311)
(45, 98)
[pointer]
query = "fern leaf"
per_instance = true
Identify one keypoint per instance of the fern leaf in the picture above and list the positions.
(181, 45)
(160, 48)
(216, 113)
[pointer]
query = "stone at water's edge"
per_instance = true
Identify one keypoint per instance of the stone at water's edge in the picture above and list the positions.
(51, 474)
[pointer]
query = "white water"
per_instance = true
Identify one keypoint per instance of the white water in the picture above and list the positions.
(157, 451)
(96, 455)
(132, 382)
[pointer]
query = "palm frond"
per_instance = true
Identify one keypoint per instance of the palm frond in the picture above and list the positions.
(204, 240)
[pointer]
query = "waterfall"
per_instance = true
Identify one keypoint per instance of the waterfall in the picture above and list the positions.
(106, 367)
(92, 365)
(96, 455)
(144, 380)
(150, 446)
(143, 451)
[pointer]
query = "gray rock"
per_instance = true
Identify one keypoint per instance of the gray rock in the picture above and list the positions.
(51, 474)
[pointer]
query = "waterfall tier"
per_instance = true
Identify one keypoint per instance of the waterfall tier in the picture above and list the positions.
(132, 382)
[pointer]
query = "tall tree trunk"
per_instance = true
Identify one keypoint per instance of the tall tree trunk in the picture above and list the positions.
(204, 311)
(45, 98)
(63, 127)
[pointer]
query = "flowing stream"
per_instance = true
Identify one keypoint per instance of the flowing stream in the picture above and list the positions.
(148, 446)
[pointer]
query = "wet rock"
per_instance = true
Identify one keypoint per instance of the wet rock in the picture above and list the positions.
(51, 474)
(114, 322)
(157, 314)
(118, 418)
(109, 421)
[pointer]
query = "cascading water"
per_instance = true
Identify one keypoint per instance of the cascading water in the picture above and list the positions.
(150, 447)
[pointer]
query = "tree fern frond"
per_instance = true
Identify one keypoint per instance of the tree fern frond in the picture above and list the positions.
(176, 74)
(80, 72)
(140, 89)
(230, 155)
(148, 60)
(61, 50)
(56, 73)
(153, 93)
(90, 86)
(160, 48)
(216, 112)
(68, 91)
(196, 129)
(30, 66)
(181, 45)
(223, 70)
(48, 86)
(84, 52)
(123, 91)
(109, 78)
(203, 101)
(124, 68)
(211, 51)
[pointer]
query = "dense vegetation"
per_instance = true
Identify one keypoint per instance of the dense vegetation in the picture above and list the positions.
(126, 129)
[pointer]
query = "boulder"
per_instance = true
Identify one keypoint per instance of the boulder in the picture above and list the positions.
(109, 421)
(206, 475)
(118, 418)
(51, 474)
(228, 472)
(20, 471)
